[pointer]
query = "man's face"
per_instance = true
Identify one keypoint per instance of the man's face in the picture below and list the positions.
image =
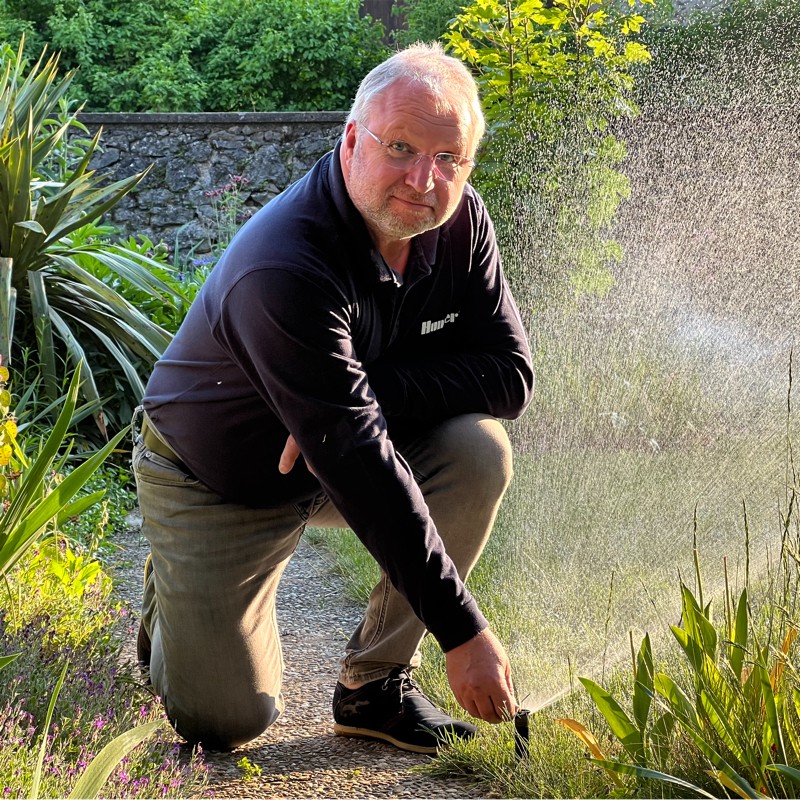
(399, 203)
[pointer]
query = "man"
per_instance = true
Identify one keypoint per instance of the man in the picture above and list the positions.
(344, 365)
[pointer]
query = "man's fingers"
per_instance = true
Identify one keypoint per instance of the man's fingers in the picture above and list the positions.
(291, 452)
(480, 676)
(289, 456)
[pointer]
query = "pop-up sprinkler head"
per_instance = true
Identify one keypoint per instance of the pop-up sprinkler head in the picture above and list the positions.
(521, 732)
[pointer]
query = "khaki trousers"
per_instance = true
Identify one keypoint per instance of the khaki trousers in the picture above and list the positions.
(209, 602)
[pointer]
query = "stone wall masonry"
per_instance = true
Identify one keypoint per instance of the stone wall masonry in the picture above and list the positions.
(675, 161)
(191, 155)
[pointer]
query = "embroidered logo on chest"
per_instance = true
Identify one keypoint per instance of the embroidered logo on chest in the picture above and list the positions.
(429, 326)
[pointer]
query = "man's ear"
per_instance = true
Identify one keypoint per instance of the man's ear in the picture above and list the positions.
(348, 146)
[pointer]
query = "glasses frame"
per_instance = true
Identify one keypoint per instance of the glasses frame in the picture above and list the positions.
(460, 161)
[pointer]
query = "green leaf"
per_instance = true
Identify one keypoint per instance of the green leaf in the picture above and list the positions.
(91, 782)
(697, 624)
(651, 774)
(771, 721)
(79, 506)
(619, 723)
(790, 724)
(6, 660)
(31, 225)
(727, 722)
(40, 312)
(37, 772)
(643, 686)
(738, 647)
(783, 769)
(30, 511)
(688, 718)
(679, 703)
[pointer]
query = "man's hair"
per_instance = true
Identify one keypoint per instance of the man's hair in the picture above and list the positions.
(427, 66)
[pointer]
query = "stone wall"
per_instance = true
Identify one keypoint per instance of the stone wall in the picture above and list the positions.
(194, 154)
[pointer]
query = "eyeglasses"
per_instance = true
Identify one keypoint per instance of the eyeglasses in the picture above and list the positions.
(446, 166)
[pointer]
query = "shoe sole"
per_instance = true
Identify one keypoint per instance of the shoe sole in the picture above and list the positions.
(366, 733)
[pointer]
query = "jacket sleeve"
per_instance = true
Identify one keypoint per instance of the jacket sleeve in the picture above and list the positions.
(489, 369)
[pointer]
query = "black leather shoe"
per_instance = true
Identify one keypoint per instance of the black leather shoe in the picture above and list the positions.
(395, 710)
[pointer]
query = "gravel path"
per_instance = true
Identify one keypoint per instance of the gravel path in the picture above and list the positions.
(299, 756)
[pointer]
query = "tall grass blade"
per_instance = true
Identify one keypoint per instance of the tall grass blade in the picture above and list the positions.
(771, 722)
(791, 724)
(643, 686)
(776, 673)
(651, 774)
(103, 764)
(37, 772)
(696, 559)
(738, 647)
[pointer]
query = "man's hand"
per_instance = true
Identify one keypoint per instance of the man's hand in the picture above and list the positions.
(289, 456)
(480, 677)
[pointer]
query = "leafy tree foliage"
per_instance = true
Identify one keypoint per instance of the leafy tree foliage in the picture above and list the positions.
(554, 74)
(202, 55)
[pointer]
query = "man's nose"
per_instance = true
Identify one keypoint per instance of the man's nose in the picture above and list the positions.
(421, 175)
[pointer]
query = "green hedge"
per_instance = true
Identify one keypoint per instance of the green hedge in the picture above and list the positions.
(190, 55)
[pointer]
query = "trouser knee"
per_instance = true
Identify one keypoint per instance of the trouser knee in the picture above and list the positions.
(475, 453)
(216, 728)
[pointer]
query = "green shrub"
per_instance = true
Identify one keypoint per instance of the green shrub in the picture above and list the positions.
(51, 622)
(425, 20)
(186, 55)
(49, 197)
(132, 55)
(731, 711)
(278, 55)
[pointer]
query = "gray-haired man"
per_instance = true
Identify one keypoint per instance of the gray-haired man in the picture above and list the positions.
(359, 323)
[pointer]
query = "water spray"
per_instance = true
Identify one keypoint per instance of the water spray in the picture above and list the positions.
(522, 723)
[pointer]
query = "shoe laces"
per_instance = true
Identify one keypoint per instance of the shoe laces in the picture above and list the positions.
(402, 683)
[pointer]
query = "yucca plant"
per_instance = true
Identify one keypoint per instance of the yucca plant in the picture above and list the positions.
(45, 199)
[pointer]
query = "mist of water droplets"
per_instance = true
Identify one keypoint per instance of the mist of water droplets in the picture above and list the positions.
(669, 411)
